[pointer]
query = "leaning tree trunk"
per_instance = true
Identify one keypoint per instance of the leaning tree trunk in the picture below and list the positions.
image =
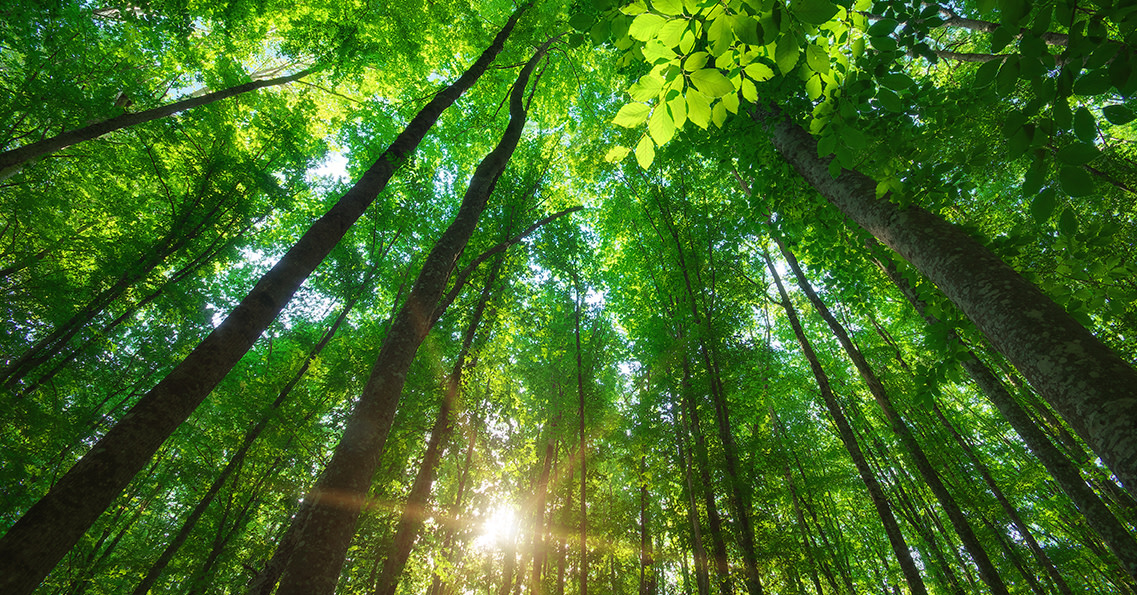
(1012, 513)
(11, 161)
(415, 512)
(1098, 516)
(739, 498)
(891, 527)
(36, 543)
(340, 493)
(251, 437)
(1087, 383)
(987, 570)
(540, 532)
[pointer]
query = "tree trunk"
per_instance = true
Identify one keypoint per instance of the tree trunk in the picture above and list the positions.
(1119, 540)
(583, 455)
(714, 520)
(437, 586)
(1011, 512)
(880, 502)
(987, 570)
(340, 493)
(647, 557)
(698, 550)
(416, 510)
(36, 543)
(1087, 383)
(11, 161)
(251, 436)
(540, 548)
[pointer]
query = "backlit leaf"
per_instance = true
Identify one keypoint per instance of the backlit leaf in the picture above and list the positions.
(631, 115)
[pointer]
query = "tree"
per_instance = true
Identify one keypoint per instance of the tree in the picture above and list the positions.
(651, 410)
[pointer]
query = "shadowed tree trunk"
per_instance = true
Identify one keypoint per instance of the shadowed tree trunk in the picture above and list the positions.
(416, 511)
(342, 489)
(36, 543)
(1098, 516)
(11, 161)
(1089, 385)
(987, 570)
(876, 494)
(251, 436)
(698, 550)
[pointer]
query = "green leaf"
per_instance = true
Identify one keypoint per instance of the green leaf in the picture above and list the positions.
(1085, 128)
(647, 88)
(817, 58)
(678, 109)
(1078, 153)
(986, 73)
(645, 152)
(1042, 207)
(746, 29)
(890, 101)
(645, 26)
(719, 35)
(711, 82)
(785, 54)
(1118, 114)
(668, 7)
(600, 31)
(661, 126)
(883, 27)
(617, 154)
(1068, 222)
(698, 108)
(896, 80)
(631, 115)
(759, 71)
(671, 32)
(1093, 83)
(814, 86)
(718, 114)
(1075, 181)
(854, 138)
(814, 12)
(580, 21)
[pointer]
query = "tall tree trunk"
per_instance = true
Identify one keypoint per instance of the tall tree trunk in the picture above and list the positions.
(11, 161)
(251, 437)
(416, 510)
(36, 543)
(342, 489)
(437, 586)
(1012, 513)
(880, 502)
(987, 570)
(738, 497)
(1098, 516)
(698, 550)
(1085, 382)
(714, 520)
(647, 557)
(540, 547)
(583, 453)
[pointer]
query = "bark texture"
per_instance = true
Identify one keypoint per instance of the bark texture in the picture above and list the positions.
(40, 539)
(1119, 540)
(1089, 385)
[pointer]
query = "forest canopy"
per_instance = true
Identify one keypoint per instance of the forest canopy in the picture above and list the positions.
(658, 297)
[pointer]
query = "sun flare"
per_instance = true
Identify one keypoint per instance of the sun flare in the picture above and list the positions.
(501, 527)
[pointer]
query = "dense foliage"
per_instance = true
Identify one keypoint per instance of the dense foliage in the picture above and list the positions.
(620, 398)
